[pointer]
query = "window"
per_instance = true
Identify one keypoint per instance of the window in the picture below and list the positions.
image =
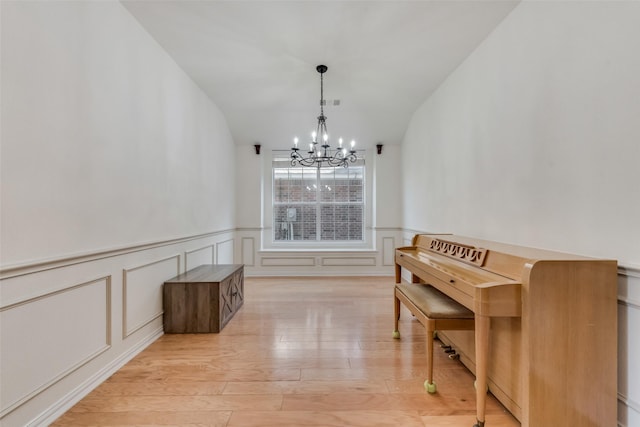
(311, 204)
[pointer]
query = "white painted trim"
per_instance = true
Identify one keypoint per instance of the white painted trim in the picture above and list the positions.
(345, 262)
(629, 302)
(80, 363)
(285, 261)
(63, 405)
(272, 272)
(37, 266)
(319, 251)
(250, 249)
(125, 331)
(629, 402)
(384, 253)
(629, 271)
(187, 253)
(220, 244)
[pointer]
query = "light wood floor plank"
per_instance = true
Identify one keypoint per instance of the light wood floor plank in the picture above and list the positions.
(305, 387)
(146, 418)
(326, 419)
(301, 352)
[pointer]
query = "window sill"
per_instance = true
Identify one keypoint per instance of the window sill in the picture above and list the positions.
(299, 250)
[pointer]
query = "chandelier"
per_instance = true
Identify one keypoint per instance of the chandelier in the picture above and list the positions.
(320, 153)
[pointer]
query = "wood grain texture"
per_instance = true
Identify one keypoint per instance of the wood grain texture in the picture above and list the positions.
(301, 352)
(203, 299)
(545, 332)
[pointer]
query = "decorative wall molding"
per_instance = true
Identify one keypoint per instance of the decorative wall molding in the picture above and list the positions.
(629, 286)
(60, 407)
(36, 266)
(126, 330)
(222, 251)
(191, 252)
(241, 229)
(288, 261)
(629, 271)
(106, 280)
(247, 251)
(388, 251)
(629, 403)
(351, 261)
(628, 302)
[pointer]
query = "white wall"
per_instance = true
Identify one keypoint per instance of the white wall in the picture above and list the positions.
(117, 173)
(535, 140)
(262, 258)
(105, 141)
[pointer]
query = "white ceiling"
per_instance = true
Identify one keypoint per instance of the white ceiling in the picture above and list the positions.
(256, 59)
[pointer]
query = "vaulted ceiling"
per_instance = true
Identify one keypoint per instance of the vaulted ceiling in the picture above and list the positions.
(257, 59)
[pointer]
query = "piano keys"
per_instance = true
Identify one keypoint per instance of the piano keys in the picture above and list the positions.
(545, 342)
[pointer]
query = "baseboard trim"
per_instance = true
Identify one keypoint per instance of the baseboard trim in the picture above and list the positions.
(65, 403)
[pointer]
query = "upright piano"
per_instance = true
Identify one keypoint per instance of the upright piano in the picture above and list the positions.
(545, 339)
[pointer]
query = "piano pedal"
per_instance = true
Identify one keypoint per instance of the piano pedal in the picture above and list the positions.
(454, 356)
(450, 351)
(445, 347)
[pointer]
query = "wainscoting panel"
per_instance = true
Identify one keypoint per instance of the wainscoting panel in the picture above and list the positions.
(628, 347)
(224, 252)
(302, 259)
(74, 322)
(288, 261)
(142, 292)
(248, 250)
(67, 324)
(388, 251)
(341, 261)
(196, 257)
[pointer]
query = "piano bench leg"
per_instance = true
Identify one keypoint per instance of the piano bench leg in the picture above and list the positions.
(396, 312)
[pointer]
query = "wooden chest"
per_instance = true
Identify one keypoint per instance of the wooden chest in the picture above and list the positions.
(203, 299)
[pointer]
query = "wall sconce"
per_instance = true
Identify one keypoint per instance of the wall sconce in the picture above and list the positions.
(379, 147)
(257, 147)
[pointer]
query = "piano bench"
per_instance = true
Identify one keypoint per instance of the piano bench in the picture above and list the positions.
(435, 311)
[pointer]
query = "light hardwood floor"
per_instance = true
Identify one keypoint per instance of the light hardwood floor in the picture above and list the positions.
(300, 352)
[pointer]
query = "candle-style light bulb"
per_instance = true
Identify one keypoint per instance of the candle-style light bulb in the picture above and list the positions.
(313, 136)
(325, 137)
(310, 147)
(295, 142)
(340, 142)
(353, 143)
(344, 151)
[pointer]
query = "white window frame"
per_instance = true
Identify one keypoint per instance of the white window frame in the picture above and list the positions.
(268, 242)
